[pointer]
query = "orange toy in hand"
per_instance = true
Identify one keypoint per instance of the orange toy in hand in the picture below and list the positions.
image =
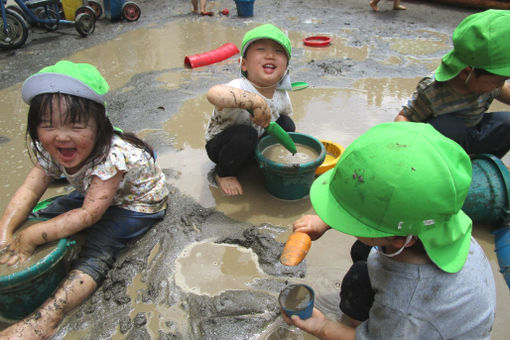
(295, 249)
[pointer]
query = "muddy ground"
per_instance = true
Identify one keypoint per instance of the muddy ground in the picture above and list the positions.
(142, 297)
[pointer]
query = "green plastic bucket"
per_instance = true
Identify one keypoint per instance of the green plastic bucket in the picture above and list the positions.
(22, 292)
(488, 199)
(290, 181)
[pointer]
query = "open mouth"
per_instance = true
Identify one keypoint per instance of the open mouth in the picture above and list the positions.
(67, 153)
(269, 67)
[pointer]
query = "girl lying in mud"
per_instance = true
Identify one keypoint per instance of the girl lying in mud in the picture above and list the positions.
(119, 193)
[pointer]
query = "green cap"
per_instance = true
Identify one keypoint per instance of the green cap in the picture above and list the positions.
(399, 179)
(82, 80)
(267, 31)
(479, 41)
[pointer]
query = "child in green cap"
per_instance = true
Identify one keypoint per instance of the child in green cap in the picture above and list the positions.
(456, 98)
(399, 188)
(245, 106)
(119, 191)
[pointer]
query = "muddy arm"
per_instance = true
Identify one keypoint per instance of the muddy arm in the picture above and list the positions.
(504, 95)
(401, 117)
(22, 202)
(223, 96)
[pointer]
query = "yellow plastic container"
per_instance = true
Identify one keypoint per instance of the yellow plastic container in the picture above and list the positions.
(70, 7)
(333, 153)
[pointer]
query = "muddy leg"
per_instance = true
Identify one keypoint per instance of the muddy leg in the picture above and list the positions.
(194, 3)
(373, 4)
(397, 5)
(43, 323)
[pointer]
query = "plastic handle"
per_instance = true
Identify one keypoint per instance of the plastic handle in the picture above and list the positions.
(280, 135)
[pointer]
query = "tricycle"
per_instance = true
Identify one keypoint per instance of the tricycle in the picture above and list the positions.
(44, 13)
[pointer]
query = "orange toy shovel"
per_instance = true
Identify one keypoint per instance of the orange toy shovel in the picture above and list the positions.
(295, 249)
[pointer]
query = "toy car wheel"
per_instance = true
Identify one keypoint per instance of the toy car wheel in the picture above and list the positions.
(85, 9)
(50, 14)
(131, 11)
(96, 6)
(16, 33)
(85, 24)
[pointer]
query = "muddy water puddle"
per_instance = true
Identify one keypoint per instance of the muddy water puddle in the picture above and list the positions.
(279, 154)
(209, 269)
(338, 115)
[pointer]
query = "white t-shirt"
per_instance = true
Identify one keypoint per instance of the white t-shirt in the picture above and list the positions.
(220, 120)
(143, 187)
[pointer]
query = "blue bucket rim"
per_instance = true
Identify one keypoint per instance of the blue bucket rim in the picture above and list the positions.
(40, 267)
(318, 161)
(505, 175)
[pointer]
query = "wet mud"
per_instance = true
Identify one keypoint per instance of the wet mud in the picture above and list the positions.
(210, 269)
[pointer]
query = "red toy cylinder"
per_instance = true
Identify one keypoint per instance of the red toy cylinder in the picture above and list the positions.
(206, 58)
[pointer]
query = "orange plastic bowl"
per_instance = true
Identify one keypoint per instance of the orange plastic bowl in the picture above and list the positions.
(333, 153)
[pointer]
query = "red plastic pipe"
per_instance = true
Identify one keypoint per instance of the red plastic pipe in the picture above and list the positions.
(211, 57)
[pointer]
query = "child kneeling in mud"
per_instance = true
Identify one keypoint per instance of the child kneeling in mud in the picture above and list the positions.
(399, 188)
(119, 194)
(245, 106)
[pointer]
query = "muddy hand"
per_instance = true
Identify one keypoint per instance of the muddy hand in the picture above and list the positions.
(311, 225)
(5, 241)
(312, 325)
(18, 251)
(261, 114)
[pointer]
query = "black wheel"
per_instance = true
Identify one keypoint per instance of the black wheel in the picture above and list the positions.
(85, 24)
(17, 10)
(85, 9)
(48, 14)
(16, 32)
(131, 11)
(96, 6)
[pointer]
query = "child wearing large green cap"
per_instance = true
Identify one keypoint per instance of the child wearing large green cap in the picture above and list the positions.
(399, 188)
(246, 105)
(119, 190)
(456, 98)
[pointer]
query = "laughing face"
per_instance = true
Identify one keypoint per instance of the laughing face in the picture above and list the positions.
(265, 62)
(69, 143)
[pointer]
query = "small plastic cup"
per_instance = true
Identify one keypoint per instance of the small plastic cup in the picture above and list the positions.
(297, 299)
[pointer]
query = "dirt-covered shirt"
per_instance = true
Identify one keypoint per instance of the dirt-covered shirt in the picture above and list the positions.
(422, 302)
(143, 187)
(433, 98)
(220, 120)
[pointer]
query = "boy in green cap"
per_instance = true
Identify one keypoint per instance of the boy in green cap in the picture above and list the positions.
(400, 188)
(469, 78)
(246, 105)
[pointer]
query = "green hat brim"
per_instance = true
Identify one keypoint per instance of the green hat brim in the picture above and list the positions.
(449, 68)
(333, 214)
(50, 82)
(448, 253)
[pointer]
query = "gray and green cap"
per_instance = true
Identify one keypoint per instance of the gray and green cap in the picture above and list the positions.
(267, 31)
(78, 79)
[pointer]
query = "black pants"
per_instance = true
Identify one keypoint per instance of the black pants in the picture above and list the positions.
(356, 294)
(491, 135)
(236, 145)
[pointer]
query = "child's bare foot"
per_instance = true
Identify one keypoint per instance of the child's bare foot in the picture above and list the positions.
(207, 14)
(229, 185)
(399, 7)
(373, 4)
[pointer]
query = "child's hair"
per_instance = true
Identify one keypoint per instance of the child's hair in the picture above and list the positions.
(480, 72)
(78, 109)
